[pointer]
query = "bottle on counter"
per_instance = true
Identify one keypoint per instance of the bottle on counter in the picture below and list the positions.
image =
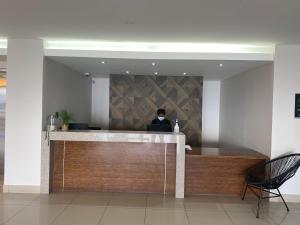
(176, 127)
(52, 121)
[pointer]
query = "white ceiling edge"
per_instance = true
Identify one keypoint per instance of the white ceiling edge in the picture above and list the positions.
(155, 55)
(187, 47)
(160, 55)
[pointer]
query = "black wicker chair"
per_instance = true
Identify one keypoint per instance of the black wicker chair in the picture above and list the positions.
(270, 176)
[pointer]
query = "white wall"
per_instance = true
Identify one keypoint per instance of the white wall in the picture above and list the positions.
(100, 102)
(210, 113)
(66, 89)
(23, 112)
(246, 110)
(286, 128)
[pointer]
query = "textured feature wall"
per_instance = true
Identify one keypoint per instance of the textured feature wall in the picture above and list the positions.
(134, 100)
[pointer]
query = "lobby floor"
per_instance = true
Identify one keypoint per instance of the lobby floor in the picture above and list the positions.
(138, 209)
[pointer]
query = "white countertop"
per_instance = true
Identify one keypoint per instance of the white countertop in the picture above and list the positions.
(117, 136)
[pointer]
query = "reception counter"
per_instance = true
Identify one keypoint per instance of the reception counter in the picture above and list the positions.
(219, 170)
(122, 161)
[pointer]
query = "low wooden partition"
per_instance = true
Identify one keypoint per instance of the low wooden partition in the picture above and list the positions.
(116, 167)
(218, 171)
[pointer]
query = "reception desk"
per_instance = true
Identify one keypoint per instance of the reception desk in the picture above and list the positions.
(219, 170)
(121, 161)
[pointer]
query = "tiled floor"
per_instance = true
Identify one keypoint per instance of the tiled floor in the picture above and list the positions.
(138, 209)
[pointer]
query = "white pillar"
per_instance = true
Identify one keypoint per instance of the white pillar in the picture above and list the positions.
(285, 127)
(23, 115)
(100, 102)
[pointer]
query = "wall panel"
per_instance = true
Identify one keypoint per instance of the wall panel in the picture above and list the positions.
(134, 100)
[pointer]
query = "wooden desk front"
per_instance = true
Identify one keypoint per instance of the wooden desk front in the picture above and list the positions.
(217, 170)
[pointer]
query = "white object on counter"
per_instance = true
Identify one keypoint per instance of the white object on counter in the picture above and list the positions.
(188, 148)
(52, 128)
(176, 127)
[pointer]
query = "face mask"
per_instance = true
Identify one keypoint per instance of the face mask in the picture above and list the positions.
(161, 118)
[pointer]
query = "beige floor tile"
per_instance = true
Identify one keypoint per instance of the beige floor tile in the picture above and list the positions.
(238, 207)
(285, 218)
(203, 206)
(124, 208)
(36, 215)
(123, 216)
(92, 199)
(167, 202)
(248, 218)
(208, 218)
(294, 207)
(80, 215)
(17, 199)
(202, 198)
(8, 211)
(237, 200)
(156, 195)
(55, 198)
(103, 194)
(128, 200)
(280, 207)
(166, 217)
(130, 195)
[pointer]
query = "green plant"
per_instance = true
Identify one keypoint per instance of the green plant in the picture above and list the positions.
(65, 117)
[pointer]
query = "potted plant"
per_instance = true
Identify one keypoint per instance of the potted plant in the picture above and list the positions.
(66, 118)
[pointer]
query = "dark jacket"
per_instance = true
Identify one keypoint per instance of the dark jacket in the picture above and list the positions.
(157, 121)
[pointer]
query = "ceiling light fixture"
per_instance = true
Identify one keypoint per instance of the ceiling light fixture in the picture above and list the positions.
(187, 47)
(103, 62)
(156, 73)
(184, 73)
(221, 65)
(127, 71)
(87, 74)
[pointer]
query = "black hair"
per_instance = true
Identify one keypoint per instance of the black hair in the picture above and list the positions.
(161, 111)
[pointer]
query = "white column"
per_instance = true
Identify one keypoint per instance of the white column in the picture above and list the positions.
(211, 113)
(285, 127)
(100, 102)
(180, 166)
(23, 115)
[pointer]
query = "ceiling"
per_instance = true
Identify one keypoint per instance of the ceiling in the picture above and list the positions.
(226, 21)
(209, 69)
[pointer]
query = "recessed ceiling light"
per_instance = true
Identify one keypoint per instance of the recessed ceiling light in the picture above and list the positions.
(221, 65)
(155, 73)
(127, 71)
(87, 74)
(103, 62)
(153, 64)
(184, 73)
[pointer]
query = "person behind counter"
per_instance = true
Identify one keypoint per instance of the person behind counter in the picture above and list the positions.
(160, 123)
